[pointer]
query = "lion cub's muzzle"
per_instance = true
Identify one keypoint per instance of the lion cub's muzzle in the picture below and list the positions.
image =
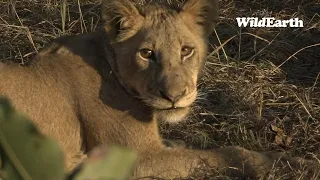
(174, 93)
(172, 96)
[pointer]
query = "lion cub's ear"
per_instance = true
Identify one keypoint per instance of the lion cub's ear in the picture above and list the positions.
(203, 12)
(121, 19)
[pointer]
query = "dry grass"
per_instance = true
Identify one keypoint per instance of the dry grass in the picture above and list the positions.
(260, 91)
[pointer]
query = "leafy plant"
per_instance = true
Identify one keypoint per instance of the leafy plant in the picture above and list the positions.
(26, 154)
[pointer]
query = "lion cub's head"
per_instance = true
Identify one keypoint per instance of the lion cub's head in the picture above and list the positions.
(160, 50)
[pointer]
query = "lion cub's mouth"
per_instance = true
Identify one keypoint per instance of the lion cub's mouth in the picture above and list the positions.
(172, 112)
(171, 108)
(172, 115)
(163, 104)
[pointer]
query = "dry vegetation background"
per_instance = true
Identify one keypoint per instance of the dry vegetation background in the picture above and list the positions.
(261, 90)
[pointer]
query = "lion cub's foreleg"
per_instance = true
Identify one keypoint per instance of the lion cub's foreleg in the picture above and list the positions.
(234, 161)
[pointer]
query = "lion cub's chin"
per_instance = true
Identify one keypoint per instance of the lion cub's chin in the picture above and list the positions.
(171, 115)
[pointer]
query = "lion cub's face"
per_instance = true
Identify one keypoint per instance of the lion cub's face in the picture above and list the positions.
(160, 51)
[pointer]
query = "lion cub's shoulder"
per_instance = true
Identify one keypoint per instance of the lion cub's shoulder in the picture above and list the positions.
(83, 45)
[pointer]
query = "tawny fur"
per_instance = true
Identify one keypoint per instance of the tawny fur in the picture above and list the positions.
(94, 89)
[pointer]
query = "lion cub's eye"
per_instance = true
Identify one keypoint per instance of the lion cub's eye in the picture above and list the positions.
(146, 54)
(186, 52)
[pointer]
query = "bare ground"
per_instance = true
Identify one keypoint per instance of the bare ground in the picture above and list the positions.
(260, 88)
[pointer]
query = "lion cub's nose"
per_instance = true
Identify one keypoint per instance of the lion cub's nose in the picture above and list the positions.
(172, 96)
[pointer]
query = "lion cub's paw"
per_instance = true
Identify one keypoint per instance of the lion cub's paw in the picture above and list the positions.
(285, 160)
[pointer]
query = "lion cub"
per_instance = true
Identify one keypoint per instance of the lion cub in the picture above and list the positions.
(111, 87)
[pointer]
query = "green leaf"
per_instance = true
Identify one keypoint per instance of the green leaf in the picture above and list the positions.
(111, 163)
(26, 153)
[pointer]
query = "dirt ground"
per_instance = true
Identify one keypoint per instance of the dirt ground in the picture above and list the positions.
(260, 88)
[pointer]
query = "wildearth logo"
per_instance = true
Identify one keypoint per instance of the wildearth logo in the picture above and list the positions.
(268, 22)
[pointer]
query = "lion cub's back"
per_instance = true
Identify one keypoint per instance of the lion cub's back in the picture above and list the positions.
(46, 105)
